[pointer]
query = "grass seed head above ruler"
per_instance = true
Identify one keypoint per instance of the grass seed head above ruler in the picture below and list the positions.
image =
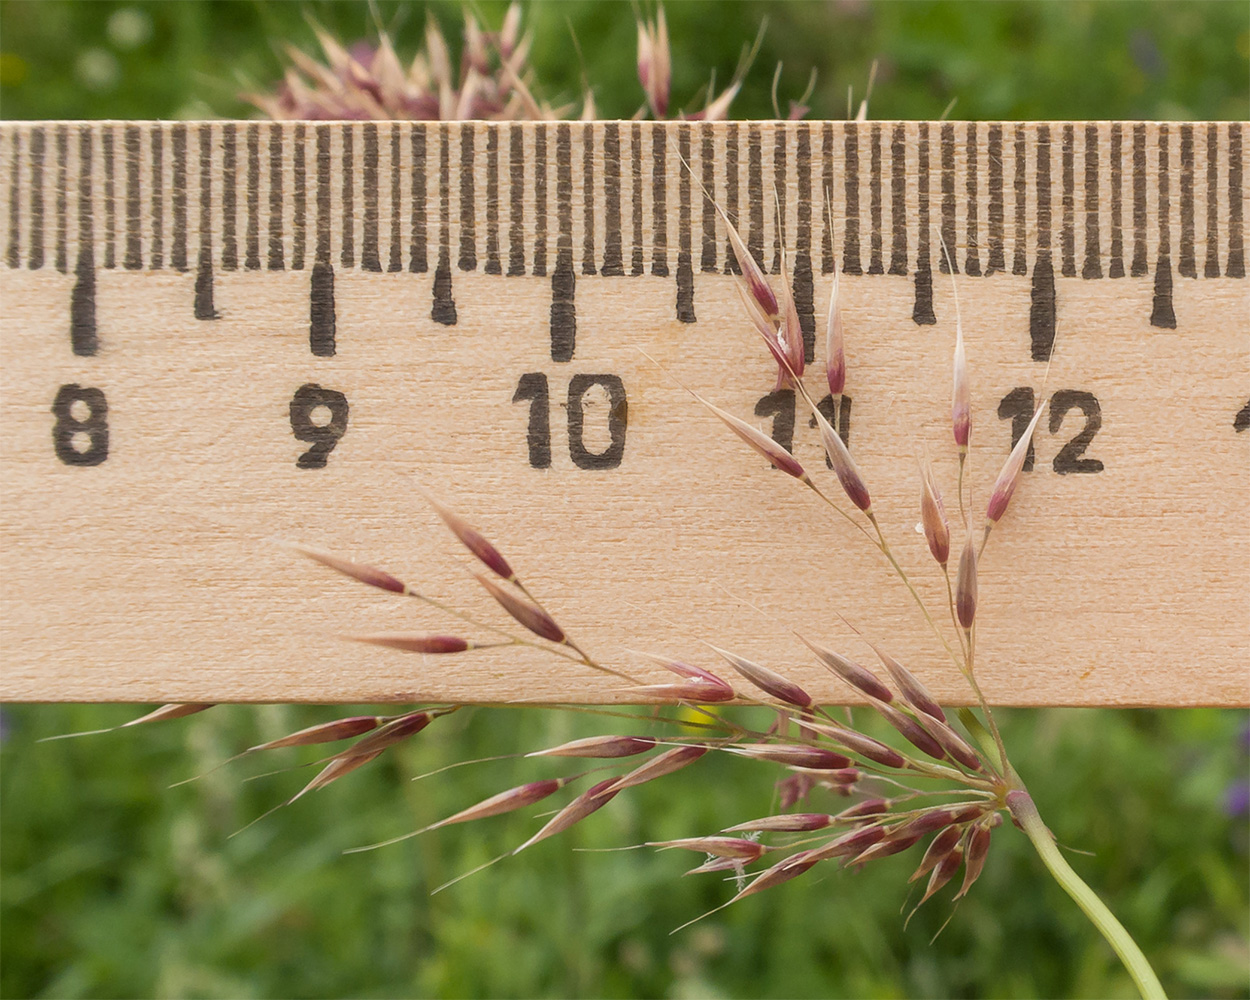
(843, 797)
(492, 80)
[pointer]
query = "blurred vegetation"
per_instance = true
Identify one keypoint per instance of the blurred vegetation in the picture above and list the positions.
(116, 886)
(1006, 60)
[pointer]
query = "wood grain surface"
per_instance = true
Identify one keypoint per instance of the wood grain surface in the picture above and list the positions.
(219, 337)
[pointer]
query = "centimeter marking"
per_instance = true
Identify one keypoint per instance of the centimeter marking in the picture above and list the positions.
(107, 571)
(1098, 200)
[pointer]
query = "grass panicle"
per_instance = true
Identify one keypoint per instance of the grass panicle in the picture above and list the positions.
(945, 787)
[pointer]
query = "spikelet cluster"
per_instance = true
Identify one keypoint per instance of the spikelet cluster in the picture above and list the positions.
(889, 812)
(369, 81)
(491, 81)
(935, 787)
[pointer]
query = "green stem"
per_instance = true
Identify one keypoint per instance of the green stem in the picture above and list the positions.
(1026, 814)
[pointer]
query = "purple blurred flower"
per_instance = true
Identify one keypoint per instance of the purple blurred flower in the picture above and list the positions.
(1237, 799)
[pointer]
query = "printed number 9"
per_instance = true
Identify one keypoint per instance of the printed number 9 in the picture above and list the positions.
(322, 433)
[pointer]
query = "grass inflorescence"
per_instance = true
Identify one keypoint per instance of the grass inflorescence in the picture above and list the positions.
(844, 797)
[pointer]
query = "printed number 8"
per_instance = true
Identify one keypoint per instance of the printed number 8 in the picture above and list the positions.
(81, 433)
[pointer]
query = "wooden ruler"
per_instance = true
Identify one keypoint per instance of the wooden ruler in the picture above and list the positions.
(218, 334)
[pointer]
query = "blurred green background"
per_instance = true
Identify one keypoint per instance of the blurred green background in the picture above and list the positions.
(1000, 60)
(115, 886)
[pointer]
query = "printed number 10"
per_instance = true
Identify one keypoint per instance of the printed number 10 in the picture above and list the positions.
(533, 388)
